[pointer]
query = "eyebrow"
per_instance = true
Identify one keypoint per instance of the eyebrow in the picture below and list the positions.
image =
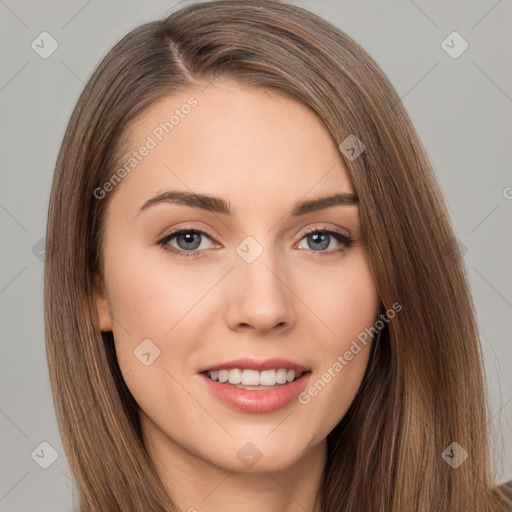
(218, 205)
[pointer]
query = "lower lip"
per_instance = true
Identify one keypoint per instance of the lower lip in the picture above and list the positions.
(261, 400)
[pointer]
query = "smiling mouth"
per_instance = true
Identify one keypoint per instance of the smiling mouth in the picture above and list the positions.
(254, 379)
(256, 386)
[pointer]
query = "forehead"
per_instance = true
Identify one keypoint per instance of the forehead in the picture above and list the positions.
(249, 145)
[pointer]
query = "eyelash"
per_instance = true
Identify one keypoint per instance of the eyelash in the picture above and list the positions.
(345, 241)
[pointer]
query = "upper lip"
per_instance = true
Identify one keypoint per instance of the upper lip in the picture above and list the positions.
(256, 364)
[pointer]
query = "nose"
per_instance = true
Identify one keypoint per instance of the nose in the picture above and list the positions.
(262, 296)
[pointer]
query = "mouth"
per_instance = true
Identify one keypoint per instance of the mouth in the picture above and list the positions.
(256, 386)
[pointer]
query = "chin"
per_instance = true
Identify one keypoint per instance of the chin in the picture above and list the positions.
(259, 457)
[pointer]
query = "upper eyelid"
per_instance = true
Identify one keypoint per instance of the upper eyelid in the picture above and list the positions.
(326, 229)
(186, 229)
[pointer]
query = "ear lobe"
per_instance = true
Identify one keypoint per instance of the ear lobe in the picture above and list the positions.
(103, 306)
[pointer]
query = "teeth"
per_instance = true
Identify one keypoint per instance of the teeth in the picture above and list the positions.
(249, 377)
(254, 377)
(281, 376)
(268, 378)
(235, 376)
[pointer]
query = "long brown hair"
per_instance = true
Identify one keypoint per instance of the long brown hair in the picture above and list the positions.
(424, 387)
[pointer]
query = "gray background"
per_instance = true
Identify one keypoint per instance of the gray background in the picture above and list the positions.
(461, 108)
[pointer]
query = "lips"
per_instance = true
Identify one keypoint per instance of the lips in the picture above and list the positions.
(255, 364)
(257, 398)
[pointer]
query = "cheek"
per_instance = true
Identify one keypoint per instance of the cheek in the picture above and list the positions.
(358, 301)
(152, 305)
(348, 308)
(150, 297)
(344, 299)
(152, 300)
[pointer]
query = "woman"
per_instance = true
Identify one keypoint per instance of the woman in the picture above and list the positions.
(252, 291)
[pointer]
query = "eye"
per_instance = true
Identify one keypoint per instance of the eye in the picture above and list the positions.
(189, 242)
(319, 239)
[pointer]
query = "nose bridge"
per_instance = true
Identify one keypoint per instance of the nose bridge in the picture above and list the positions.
(261, 297)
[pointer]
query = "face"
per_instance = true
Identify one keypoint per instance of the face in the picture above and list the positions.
(261, 286)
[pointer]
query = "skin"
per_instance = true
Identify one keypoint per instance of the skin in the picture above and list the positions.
(262, 153)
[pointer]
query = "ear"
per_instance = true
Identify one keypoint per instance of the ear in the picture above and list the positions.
(102, 306)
